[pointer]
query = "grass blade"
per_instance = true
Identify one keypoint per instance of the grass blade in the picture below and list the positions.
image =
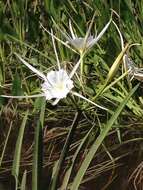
(69, 171)
(36, 169)
(17, 154)
(23, 183)
(5, 143)
(65, 150)
(38, 148)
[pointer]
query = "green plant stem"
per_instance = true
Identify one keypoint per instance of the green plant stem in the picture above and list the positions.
(81, 67)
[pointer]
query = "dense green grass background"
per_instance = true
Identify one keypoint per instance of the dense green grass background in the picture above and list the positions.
(73, 145)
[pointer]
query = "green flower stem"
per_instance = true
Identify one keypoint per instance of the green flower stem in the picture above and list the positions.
(81, 67)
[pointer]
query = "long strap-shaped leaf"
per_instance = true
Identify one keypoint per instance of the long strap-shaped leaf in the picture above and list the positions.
(69, 171)
(17, 154)
(65, 151)
(38, 150)
(23, 182)
(86, 162)
(37, 163)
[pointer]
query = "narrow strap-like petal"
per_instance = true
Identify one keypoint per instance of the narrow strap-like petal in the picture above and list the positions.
(88, 31)
(30, 96)
(40, 74)
(76, 67)
(56, 101)
(54, 46)
(80, 96)
(101, 33)
(71, 30)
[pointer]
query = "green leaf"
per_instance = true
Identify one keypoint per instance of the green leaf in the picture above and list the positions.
(17, 154)
(40, 104)
(64, 152)
(5, 143)
(36, 168)
(1, 76)
(23, 183)
(38, 149)
(16, 86)
(69, 171)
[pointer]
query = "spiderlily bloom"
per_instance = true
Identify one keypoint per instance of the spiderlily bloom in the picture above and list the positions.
(57, 84)
(80, 44)
(83, 44)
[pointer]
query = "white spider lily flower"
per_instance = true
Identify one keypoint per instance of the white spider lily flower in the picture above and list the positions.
(57, 84)
(80, 44)
(83, 44)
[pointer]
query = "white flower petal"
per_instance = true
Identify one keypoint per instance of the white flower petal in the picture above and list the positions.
(31, 67)
(30, 96)
(63, 75)
(71, 30)
(51, 77)
(100, 34)
(80, 96)
(75, 67)
(56, 101)
(54, 46)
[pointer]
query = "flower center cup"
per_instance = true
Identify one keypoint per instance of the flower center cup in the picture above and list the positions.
(80, 43)
(58, 84)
